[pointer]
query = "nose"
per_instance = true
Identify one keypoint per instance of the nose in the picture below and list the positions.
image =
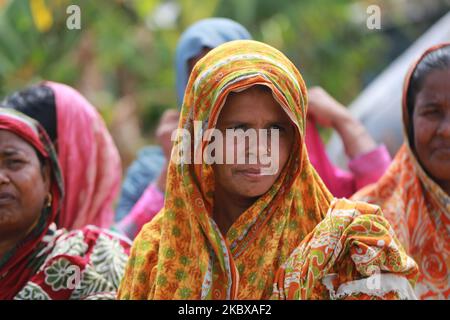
(261, 147)
(444, 126)
(4, 179)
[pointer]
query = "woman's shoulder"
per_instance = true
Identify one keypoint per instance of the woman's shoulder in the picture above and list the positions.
(84, 241)
(143, 260)
(352, 241)
(80, 264)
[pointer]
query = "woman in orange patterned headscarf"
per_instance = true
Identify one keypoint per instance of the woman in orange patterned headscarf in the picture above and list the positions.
(228, 232)
(415, 191)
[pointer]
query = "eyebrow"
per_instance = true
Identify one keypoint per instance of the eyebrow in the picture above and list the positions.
(7, 152)
(429, 105)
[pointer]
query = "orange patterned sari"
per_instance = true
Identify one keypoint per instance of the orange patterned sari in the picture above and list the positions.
(181, 253)
(419, 211)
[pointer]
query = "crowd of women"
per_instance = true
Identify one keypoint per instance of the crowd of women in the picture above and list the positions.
(380, 230)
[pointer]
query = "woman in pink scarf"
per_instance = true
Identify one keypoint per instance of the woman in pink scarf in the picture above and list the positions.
(367, 163)
(88, 157)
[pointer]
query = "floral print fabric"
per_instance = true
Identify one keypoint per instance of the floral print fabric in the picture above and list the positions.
(419, 211)
(82, 264)
(181, 253)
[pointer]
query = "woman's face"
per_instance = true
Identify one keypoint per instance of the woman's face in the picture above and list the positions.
(431, 120)
(252, 110)
(24, 186)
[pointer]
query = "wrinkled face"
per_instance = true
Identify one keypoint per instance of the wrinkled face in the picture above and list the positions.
(250, 111)
(431, 120)
(23, 186)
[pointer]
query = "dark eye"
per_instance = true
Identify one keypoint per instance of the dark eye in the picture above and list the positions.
(15, 163)
(239, 127)
(431, 111)
(277, 127)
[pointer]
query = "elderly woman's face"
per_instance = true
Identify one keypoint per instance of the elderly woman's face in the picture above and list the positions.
(252, 110)
(24, 186)
(431, 120)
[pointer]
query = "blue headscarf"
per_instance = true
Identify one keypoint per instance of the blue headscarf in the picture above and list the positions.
(210, 33)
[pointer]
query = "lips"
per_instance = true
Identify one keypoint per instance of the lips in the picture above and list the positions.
(440, 143)
(440, 146)
(442, 152)
(6, 198)
(250, 173)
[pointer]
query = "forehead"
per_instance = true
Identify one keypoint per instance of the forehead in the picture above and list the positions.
(252, 104)
(436, 85)
(13, 141)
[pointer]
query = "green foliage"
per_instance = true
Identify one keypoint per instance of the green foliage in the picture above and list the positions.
(121, 43)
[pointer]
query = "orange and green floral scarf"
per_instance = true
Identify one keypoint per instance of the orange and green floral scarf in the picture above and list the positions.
(181, 253)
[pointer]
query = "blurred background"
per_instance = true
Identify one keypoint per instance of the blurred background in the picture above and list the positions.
(122, 58)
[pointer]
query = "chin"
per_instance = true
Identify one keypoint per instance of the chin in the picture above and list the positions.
(442, 177)
(438, 166)
(252, 192)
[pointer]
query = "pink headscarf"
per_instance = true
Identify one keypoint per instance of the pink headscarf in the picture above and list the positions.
(89, 160)
(364, 169)
(338, 181)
